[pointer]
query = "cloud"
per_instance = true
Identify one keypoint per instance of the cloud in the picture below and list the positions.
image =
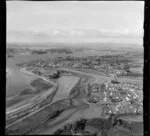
(110, 16)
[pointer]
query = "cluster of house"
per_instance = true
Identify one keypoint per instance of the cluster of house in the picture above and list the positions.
(119, 97)
(90, 62)
(117, 71)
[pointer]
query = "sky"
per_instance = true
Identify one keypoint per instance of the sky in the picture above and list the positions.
(74, 19)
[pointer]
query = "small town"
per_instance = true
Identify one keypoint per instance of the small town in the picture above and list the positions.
(112, 65)
(115, 96)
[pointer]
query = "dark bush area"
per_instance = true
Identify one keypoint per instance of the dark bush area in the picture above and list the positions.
(39, 52)
(133, 74)
(10, 56)
(56, 113)
(69, 129)
(55, 74)
(79, 125)
(59, 51)
(106, 127)
(99, 123)
(40, 84)
(28, 91)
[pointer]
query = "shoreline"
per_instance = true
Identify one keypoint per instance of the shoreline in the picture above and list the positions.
(24, 107)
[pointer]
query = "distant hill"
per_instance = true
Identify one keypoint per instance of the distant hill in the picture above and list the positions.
(77, 46)
(89, 36)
